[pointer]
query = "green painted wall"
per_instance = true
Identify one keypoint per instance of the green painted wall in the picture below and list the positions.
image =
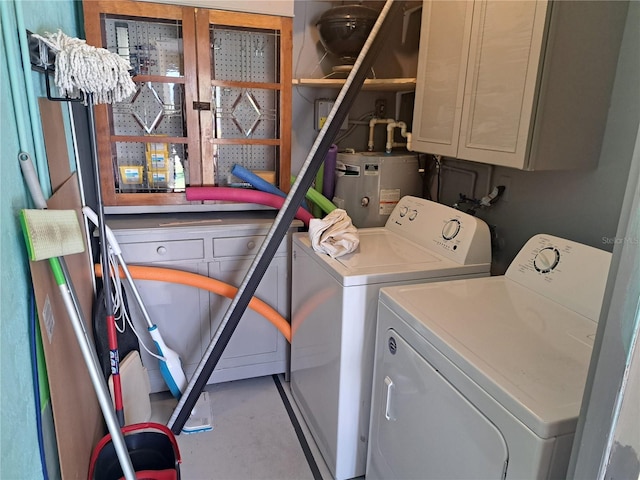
(19, 457)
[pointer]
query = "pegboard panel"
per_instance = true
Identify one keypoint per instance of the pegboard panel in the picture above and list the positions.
(154, 109)
(152, 47)
(137, 168)
(244, 113)
(251, 157)
(244, 55)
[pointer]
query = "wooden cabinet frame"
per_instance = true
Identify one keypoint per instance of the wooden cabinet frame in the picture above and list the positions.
(204, 18)
(197, 83)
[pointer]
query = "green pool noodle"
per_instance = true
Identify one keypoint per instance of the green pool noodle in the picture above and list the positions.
(317, 211)
(317, 198)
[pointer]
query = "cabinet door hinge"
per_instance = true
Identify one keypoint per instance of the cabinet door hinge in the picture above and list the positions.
(201, 105)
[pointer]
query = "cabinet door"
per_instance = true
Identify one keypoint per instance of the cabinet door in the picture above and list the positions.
(256, 347)
(502, 81)
(442, 67)
(181, 314)
(244, 74)
(148, 145)
(213, 90)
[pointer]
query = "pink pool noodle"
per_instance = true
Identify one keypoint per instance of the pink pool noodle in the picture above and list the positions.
(244, 195)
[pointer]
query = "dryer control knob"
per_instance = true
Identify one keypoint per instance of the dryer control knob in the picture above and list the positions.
(546, 260)
(451, 229)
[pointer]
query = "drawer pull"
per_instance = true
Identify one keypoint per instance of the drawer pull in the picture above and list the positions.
(251, 245)
(161, 250)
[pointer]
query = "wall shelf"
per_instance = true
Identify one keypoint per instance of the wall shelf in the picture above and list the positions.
(370, 84)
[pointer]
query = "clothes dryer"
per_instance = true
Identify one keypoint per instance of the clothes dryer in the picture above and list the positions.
(334, 309)
(483, 378)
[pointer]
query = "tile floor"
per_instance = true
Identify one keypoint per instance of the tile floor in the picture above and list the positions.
(254, 437)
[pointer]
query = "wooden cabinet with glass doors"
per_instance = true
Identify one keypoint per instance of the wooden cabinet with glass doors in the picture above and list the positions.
(213, 90)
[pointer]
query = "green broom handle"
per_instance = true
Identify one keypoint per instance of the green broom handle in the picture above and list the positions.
(56, 268)
(90, 358)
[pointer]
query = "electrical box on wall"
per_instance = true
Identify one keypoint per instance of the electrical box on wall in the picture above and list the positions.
(322, 108)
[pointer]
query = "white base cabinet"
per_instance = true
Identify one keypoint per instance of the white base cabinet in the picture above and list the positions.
(220, 246)
(523, 84)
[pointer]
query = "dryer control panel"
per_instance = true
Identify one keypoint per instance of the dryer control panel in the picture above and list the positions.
(449, 232)
(567, 272)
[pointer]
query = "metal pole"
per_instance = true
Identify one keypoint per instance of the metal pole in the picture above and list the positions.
(285, 216)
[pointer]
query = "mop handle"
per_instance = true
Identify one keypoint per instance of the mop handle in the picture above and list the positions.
(114, 358)
(31, 178)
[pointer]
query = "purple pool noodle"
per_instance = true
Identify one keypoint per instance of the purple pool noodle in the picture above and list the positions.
(329, 179)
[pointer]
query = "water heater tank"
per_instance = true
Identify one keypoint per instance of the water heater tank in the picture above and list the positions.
(370, 184)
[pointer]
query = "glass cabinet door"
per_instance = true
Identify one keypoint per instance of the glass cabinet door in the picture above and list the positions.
(248, 123)
(213, 90)
(152, 146)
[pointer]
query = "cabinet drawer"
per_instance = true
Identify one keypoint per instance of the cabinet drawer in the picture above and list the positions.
(163, 251)
(237, 246)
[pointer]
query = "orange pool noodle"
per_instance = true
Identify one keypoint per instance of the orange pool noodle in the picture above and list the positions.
(170, 275)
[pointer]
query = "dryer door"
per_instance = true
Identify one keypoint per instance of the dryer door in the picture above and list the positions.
(422, 427)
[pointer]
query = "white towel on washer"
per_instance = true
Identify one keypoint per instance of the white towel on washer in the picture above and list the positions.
(334, 234)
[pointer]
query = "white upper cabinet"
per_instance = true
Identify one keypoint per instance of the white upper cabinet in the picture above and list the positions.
(517, 83)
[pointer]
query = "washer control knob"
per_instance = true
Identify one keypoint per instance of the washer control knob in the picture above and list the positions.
(546, 260)
(364, 202)
(403, 211)
(413, 214)
(451, 229)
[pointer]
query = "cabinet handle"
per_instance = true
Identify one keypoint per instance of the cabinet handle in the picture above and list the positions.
(202, 106)
(161, 250)
(251, 245)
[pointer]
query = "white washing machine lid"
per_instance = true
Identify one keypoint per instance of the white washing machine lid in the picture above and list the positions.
(529, 353)
(384, 256)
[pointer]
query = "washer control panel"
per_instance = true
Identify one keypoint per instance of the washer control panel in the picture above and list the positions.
(454, 234)
(567, 272)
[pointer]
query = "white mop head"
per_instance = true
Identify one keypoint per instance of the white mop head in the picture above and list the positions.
(201, 418)
(82, 70)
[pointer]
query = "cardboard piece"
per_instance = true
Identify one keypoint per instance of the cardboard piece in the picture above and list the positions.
(76, 412)
(55, 140)
(77, 415)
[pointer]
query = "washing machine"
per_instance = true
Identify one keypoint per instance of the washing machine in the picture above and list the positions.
(483, 378)
(334, 308)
